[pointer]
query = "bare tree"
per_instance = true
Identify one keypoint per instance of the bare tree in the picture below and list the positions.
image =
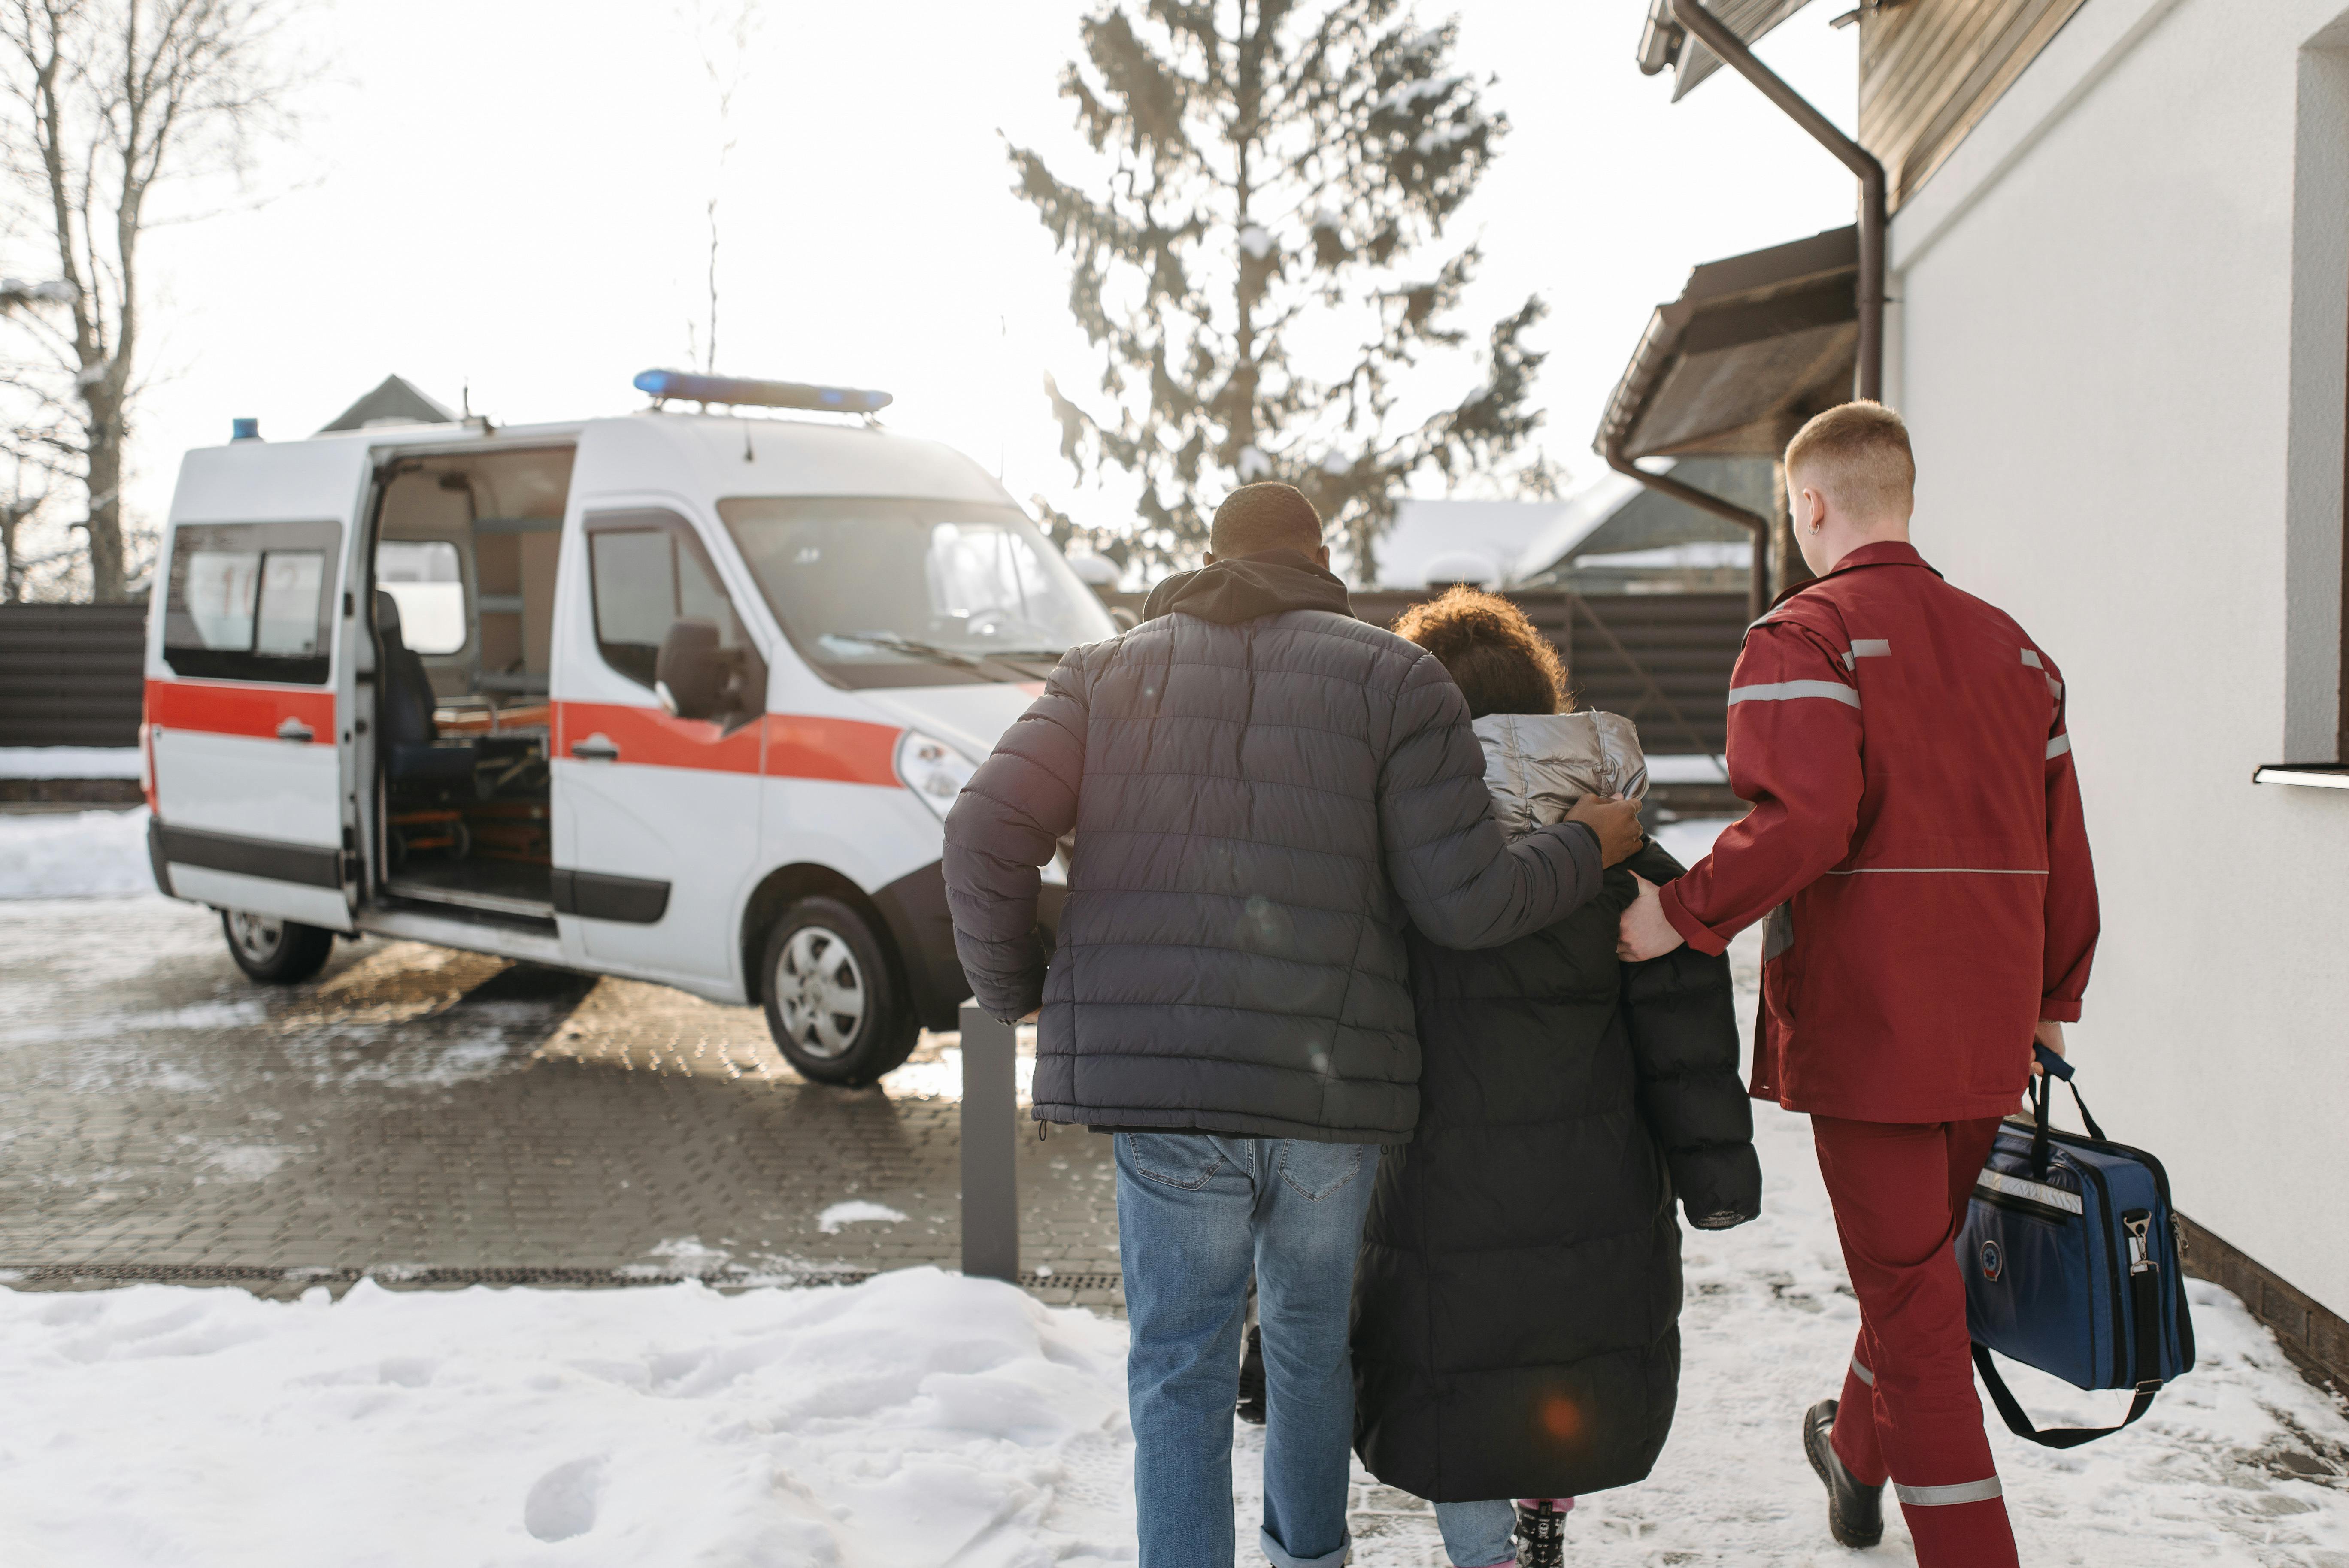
(724, 32)
(107, 102)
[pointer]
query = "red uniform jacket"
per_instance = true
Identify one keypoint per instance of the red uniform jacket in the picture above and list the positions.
(1915, 842)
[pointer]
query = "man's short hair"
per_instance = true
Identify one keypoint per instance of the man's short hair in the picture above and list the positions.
(1858, 455)
(1266, 516)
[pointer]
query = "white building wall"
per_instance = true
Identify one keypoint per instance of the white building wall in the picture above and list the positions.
(2096, 356)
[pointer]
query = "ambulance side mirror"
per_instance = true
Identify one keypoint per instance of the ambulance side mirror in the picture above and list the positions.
(689, 673)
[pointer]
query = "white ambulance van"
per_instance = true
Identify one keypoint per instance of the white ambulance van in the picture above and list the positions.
(670, 695)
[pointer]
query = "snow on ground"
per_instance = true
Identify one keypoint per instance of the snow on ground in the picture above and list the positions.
(921, 1419)
(856, 1211)
(73, 854)
(914, 1419)
(69, 762)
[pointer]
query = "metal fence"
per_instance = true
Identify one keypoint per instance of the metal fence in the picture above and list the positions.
(1660, 660)
(70, 675)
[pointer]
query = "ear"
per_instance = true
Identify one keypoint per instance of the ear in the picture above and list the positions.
(1208, 559)
(1322, 558)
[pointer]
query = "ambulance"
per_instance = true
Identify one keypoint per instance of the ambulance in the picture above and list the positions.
(674, 695)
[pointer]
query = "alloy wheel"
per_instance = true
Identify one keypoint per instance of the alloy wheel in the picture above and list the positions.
(820, 991)
(256, 936)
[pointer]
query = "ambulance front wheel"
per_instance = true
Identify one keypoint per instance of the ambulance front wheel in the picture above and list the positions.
(832, 1005)
(275, 952)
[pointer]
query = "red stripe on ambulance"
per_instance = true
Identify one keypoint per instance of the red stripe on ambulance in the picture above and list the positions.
(233, 708)
(798, 745)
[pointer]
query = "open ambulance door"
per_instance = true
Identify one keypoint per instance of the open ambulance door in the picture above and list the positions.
(252, 657)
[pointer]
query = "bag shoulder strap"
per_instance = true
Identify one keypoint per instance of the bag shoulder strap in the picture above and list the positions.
(2019, 1422)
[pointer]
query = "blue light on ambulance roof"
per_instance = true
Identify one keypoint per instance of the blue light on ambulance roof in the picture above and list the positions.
(733, 389)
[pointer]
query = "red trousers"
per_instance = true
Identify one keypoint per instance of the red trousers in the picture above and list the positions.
(1909, 1411)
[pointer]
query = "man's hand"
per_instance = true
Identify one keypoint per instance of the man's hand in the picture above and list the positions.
(1644, 933)
(2049, 1034)
(1616, 822)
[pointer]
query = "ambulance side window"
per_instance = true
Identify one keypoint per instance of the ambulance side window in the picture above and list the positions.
(252, 600)
(647, 571)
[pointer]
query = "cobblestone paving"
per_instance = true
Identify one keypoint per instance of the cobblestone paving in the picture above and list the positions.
(444, 1117)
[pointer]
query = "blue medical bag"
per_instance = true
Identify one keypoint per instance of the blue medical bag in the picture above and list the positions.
(2070, 1256)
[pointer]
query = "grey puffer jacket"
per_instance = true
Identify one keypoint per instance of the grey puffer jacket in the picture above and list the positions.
(1263, 791)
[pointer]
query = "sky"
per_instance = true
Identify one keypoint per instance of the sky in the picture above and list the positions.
(502, 199)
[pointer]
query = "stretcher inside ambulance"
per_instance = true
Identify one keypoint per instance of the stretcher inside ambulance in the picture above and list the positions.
(671, 696)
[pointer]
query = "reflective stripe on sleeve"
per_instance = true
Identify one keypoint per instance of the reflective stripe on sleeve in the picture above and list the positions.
(2030, 658)
(2055, 747)
(1788, 691)
(1948, 1496)
(1862, 1372)
(1866, 648)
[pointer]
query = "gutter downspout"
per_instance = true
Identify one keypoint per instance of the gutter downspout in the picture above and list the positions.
(1716, 36)
(1757, 581)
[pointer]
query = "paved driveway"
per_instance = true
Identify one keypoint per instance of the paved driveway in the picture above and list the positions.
(451, 1118)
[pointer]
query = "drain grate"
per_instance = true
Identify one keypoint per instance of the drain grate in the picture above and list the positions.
(256, 1277)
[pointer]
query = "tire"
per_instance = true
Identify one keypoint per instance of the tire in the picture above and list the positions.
(835, 1005)
(275, 952)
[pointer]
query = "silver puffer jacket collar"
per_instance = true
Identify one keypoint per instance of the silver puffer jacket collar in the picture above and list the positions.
(1538, 765)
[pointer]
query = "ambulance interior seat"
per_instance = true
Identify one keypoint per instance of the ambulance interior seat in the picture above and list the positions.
(413, 752)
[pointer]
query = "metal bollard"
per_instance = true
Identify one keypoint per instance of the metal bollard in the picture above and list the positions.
(990, 1184)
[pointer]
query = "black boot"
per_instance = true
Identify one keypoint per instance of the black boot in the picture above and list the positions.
(1855, 1513)
(1252, 1377)
(1542, 1529)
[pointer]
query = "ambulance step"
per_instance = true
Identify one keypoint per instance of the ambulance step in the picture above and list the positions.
(466, 898)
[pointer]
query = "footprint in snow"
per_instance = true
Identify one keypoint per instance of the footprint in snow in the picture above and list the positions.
(562, 1505)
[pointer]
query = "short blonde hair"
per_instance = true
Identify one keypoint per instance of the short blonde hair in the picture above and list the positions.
(1858, 454)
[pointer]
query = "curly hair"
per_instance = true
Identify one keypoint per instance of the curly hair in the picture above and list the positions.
(1502, 663)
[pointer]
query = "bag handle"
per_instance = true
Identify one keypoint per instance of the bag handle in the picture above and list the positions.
(2053, 1066)
(2019, 1423)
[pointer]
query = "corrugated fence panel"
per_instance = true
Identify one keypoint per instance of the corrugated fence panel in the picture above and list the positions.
(1660, 660)
(71, 675)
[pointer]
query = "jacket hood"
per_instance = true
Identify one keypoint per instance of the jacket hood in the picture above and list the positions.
(1538, 765)
(1231, 592)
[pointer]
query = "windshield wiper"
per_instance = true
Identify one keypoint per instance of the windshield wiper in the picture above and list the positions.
(930, 651)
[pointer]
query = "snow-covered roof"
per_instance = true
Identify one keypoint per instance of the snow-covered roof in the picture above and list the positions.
(1428, 532)
(1577, 520)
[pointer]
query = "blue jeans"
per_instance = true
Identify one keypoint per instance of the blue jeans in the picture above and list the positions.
(1478, 1534)
(1195, 1213)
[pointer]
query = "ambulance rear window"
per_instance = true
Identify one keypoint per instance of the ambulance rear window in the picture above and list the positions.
(252, 600)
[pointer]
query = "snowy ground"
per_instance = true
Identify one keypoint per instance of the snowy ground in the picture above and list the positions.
(69, 762)
(71, 854)
(921, 1419)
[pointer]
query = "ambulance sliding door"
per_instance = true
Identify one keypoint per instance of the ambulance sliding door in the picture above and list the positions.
(656, 812)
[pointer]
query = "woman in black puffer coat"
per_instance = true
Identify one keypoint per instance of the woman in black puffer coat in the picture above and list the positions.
(1515, 1313)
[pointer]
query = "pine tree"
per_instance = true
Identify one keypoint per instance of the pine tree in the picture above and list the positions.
(1255, 266)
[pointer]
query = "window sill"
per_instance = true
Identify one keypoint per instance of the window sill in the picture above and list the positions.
(2312, 775)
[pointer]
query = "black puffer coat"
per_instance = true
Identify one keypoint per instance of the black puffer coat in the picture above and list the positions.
(1515, 1313)
(1262, 789)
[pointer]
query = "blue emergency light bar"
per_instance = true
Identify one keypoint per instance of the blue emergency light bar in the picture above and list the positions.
(667, 384)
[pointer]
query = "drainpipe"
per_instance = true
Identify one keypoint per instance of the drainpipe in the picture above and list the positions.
(1757, 583)
(1716, 36)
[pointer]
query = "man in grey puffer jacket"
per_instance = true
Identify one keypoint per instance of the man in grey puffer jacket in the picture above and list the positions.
(1263, 791)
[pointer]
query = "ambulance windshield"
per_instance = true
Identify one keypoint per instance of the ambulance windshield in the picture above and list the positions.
(914, 593)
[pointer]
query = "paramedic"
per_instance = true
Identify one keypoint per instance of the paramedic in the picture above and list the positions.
(1917, 846)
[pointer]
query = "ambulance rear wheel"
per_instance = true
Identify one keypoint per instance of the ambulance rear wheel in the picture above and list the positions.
(833, 1004)
(275, 952)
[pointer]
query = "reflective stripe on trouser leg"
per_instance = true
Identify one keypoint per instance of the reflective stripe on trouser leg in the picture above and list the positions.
(1946, 1496)
(1855, 1438)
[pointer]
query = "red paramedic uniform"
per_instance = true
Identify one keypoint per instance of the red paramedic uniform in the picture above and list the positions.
(1917, 846)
